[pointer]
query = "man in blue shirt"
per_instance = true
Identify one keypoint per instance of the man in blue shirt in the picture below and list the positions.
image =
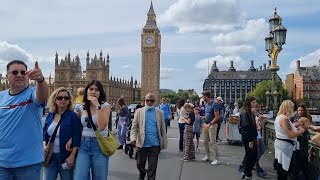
(148, 133)
(166, 111)
(210, 129)
(21, 148)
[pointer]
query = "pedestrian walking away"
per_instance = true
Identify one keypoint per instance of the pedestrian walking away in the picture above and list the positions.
(164, 106)
(123, 115)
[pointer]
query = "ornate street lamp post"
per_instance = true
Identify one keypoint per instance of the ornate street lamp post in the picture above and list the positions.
(273, 43)
(268, 94)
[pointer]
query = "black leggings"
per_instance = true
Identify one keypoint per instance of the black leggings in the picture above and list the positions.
(250, 158)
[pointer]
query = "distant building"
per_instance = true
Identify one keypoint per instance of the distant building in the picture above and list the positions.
(69, 74)
(233, 85)
(191, 92)
(289, 85)
(305, 84)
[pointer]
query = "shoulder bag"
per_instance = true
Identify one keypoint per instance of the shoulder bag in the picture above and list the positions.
(108, 145)
(48, 152)
(316, 139)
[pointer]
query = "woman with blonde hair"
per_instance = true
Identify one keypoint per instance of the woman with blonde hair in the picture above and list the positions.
(79, 101)
(286, 139)
(62, 118)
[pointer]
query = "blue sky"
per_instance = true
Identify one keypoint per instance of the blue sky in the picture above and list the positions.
(193, 33)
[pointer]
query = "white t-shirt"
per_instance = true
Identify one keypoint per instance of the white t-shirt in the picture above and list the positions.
(182, 113)
(89, 131)
(50, 130)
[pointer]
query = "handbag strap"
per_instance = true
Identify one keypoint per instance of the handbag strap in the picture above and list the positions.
(92, 124)
(53, 137)
(90, 120)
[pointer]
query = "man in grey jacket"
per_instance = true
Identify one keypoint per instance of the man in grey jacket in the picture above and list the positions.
(148, 133)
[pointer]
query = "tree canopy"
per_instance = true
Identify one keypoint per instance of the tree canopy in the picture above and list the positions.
(173, 97)
(262, 87)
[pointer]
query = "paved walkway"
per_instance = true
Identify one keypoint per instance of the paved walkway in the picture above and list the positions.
(172, 167)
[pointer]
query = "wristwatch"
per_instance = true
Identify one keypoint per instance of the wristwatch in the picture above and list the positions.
(98, 108)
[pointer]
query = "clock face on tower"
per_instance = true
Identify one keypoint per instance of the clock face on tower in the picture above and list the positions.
(149, 40)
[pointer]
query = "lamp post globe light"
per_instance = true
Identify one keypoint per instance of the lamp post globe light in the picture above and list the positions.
(273, 45)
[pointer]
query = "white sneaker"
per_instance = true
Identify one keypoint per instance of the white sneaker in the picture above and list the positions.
(249, 178)
(205, 158)
(215, 162)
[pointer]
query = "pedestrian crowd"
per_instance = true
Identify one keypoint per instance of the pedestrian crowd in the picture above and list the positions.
(70, 143)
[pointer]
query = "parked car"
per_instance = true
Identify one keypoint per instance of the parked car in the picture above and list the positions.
(132, 109)
(315, 118)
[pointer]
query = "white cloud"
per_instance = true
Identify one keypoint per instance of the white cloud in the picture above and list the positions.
(128, 66)
(167, 72)
(202, 15)
(242, 40)
(312, 59)
(9, 52)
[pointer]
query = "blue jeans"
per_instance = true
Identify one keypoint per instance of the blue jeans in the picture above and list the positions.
(54, 167)
(91, 157)
(122, 130)
(261, 148)
(21, 173)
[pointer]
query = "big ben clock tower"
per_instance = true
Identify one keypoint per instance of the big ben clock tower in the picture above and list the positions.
(150, 48)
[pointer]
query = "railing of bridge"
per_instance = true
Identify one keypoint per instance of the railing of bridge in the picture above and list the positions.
(314, 164)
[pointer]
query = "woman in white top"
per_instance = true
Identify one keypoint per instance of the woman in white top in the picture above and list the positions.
(182, 113)
(90, 156)
(286, 139)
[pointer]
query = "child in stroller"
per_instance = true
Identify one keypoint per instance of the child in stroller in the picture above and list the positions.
(128, 148)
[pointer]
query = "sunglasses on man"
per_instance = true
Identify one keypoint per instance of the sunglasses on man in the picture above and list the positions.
(16, 72)
(150, 100)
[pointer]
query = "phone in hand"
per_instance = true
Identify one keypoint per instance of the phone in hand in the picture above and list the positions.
(64, 165)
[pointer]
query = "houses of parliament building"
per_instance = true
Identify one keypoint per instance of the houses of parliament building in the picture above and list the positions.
(69, 74)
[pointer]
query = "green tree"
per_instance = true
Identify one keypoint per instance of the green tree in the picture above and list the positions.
(262, 87)
(173, 97)
(305, 101)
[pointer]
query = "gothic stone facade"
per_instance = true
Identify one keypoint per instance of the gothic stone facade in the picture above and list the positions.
(150, 64)
(69, 74)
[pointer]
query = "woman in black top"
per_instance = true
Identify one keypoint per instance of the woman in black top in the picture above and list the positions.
(189, 149)
(249, 134)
